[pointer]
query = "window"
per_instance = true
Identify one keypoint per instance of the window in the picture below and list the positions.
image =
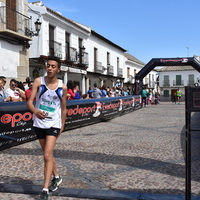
(128, 72)
(178, 80)
(11, 15)
(166, 80)
(191, 79)
(67, 45)
(166, 93)
(135, 72)
(117, 62)
(108, 58)
(95, 57)
(51, 41)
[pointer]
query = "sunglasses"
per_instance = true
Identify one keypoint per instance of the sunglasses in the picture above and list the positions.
(13, 85)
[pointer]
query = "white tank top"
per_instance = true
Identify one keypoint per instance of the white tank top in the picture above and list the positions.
(49, 101)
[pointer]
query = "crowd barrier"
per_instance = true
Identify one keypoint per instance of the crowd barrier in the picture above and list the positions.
(16, 119)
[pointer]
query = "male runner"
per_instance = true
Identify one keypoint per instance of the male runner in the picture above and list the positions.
(49, 119)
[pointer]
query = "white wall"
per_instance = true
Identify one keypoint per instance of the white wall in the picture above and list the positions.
(9, 55)
(172, 76)
(103, 47)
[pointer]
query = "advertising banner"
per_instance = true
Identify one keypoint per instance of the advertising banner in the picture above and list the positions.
(16, 120)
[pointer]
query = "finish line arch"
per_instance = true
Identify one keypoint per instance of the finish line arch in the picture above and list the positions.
(192, 61)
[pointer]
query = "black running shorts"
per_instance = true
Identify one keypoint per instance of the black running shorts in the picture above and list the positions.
(41, 133)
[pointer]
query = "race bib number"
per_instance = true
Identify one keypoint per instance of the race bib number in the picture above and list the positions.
(49, 111)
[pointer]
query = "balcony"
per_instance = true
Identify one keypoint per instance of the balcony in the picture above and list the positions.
(110, 70)
(83, 59)
(13, 25)
(72, 55)
(190, 83)
(119, 72)
(166, 84)
(98, 67)
(178, 83)
(55, 49)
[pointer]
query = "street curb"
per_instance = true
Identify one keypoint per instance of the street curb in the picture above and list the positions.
(91, 194)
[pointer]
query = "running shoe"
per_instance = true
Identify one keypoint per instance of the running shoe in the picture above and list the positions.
(44, 196)
(55, 183)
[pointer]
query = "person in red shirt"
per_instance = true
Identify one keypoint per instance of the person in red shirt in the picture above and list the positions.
(28, 91)
(70, 90)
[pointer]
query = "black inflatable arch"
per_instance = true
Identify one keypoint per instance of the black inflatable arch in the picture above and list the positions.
(192, 61)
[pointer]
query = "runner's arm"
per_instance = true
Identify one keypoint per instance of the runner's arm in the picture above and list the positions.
(63, 107)
(35, 87)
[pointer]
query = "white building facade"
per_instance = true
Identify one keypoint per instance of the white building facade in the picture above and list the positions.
(172, 78)
(132, 67)
(61, 37)
(106, 61)
(14, 54)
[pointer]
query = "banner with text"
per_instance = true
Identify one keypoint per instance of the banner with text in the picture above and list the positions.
(16, 120)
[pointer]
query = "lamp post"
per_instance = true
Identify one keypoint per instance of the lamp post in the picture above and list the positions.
(31, 33)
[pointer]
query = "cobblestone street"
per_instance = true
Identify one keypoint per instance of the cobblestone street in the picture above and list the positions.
(141, 152)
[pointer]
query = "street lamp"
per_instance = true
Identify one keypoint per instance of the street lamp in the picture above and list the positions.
(37, 28)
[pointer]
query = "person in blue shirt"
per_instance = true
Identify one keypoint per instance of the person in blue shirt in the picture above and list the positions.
(2, 92)
(103, 91)
(77, 94)
(89, 92)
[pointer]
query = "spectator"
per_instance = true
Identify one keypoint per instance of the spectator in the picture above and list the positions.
(26, 83)
(14, 93)
(96, 92)
(28, 91)
(112, 92)
(104, 91)
(70, 90)
(89, 92)
(77, 93)
(4, 80)
(85, 96)
(144, 97)
(2, 92)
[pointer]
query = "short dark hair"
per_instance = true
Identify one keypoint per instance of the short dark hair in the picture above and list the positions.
(55, 58)
(95, 85)
(30, 83)
(13, 80)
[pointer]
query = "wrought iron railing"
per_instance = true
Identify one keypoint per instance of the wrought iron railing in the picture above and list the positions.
(13, 20)
(166, 84)
(55, 48)
(73, 54)
(110, 70)
(83, 58)
(120, 72)
(98, 67)
(178, 83)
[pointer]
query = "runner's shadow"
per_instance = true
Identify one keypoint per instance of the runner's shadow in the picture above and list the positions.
(173, 169)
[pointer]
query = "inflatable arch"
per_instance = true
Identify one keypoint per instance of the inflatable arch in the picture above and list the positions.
(192, 61)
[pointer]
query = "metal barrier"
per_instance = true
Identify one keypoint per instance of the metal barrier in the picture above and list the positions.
(192, 104)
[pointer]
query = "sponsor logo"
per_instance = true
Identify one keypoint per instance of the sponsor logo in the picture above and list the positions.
(16, 118)
(81, 111)
(183, 60)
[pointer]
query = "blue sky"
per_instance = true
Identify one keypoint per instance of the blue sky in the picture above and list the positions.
(145, 28)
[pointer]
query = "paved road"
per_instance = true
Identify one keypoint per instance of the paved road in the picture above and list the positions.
(135, 154)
